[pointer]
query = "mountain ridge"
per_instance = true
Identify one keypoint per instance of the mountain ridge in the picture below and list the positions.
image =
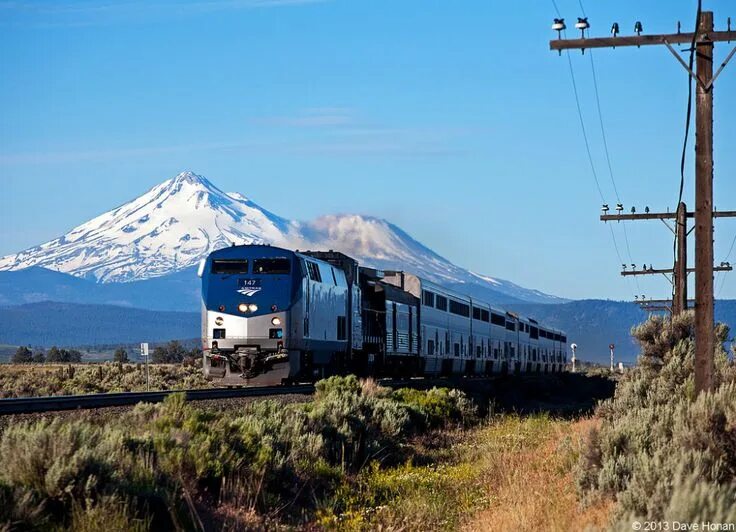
(592, 324)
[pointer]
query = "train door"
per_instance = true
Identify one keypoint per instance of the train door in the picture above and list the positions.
(307, 304)
(411, 329)
(391, 337)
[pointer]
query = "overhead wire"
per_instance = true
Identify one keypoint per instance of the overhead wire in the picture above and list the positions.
(728, 256)
(605, 149)
(688, 120)
(605, 143)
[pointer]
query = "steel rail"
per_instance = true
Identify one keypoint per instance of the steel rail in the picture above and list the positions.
(31, 405)
(57, 403)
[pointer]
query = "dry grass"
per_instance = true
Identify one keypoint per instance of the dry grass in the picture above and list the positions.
(529, 478)
(511, 473)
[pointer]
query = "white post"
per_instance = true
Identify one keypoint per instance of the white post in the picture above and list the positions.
(574, 348)
(144, 353)
(611, 347)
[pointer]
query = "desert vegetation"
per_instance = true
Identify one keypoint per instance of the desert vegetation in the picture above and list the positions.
(661, 452)
(172, 352)
(172, 465)
(363, 457)
(36, 380)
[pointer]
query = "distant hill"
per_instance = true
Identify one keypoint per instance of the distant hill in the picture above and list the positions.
(177, 291)
(68, 324)
(592, 324)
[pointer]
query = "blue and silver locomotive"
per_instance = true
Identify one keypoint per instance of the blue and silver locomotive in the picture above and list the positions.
(272, 315)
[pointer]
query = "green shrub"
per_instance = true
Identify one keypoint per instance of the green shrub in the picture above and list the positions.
(436, 407)
(59, 459)
(25, 381)
(658, 438)
(107, 513)
(146, 467)
(21, 509)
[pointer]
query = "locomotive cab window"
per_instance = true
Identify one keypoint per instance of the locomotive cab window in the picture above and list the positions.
(229, 266)
(314, 273)
(272, 266)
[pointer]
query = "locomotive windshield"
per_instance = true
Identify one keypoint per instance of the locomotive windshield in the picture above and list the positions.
(272, 266)
(229, 266)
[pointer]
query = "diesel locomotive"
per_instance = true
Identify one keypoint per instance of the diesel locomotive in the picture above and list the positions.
(273, 316)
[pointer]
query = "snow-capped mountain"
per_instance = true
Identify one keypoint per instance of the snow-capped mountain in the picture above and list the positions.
(167, 229)
(173, 225)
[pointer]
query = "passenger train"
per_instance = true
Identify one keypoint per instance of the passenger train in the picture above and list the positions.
(272, 316)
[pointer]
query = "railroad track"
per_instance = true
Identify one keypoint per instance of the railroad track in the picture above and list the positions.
(30, 405)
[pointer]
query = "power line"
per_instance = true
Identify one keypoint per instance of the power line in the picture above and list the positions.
(688, 120)
(557, 10)
(582, 127)
(605, 148)
(603, 130)
(582, 9)
(728, 256)
(704, 37)
(589, 153)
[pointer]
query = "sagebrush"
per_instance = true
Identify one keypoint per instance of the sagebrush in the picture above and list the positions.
(41, 380)
(172, 465)
(664, 452)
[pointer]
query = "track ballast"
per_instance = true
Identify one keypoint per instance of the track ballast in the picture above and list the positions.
(30, 405)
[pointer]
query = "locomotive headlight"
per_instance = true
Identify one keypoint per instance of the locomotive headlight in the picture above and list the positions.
(252, 307)
(276, 321)
(243, 308)
(219, 320)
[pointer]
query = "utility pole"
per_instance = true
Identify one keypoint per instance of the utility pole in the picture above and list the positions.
(679, 300)
(680, 270)
(704, 338)
(704, 38)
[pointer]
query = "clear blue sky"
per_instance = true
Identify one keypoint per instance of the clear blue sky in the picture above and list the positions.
(451, 119)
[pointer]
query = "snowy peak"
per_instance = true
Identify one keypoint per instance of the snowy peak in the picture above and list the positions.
(178, 222)
(167, 229)
(191, 178)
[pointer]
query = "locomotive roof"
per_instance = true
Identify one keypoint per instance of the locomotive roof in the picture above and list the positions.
(408, 281)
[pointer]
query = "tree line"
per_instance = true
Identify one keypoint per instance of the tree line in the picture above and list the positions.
(173, 352)
(24, 355)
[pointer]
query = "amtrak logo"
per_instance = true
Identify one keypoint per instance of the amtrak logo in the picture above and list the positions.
(249, 287)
